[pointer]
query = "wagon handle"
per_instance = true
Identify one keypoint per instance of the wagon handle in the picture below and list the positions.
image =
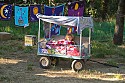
(106, 64)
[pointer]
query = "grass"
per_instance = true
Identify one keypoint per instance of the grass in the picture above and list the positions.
(30, 67)
(4, 78)
(100, 74)
(103, 49)
(102, 36)
(98, 48)
(102, 30)
(28, 49)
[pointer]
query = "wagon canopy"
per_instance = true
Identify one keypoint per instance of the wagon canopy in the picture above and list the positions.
(80, 22)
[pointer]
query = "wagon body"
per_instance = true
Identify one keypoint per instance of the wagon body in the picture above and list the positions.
(83, 43)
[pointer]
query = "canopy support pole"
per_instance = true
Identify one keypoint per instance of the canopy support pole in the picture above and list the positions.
(80, 47)
(89, 41)
(39, 32)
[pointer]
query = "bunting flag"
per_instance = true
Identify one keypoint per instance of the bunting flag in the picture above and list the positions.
(53, 11)
(34, 9)
(21, 16)
(75, 9)
(5, 11)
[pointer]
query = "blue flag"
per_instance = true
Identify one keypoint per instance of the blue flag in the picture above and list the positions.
(53, 11)
(34, 9)
(5, 11)
(21, 16)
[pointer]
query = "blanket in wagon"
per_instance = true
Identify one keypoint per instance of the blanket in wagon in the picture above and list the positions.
(62, 47)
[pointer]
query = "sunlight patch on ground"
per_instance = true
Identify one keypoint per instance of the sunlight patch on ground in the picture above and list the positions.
(84, 75)
(10, 61)
(66, 73)
(104, 77)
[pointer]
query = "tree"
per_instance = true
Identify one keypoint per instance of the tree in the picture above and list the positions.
(119, 27)
(104, 9)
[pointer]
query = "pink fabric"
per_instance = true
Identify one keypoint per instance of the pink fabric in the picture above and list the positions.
(65, 42)
(65, 47)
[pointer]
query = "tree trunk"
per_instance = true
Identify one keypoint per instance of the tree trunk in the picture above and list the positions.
(119, 27)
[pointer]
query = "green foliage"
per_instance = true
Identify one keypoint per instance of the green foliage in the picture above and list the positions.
(103, 31)
(121, 51)
(112, 62)
(103, 9)
(91, 11)
(102, 49)
(2, 52)
(19, 32)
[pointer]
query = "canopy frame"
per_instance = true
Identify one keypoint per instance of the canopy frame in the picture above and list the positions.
(80, 22)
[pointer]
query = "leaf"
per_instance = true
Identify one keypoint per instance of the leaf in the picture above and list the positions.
(88, 1)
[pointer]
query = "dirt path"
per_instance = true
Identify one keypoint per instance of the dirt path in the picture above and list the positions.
(23, 67)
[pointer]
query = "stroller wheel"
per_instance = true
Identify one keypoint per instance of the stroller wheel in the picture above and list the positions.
(45, 62)
(77, 65)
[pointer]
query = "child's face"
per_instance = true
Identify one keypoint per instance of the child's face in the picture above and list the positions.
(69, 38)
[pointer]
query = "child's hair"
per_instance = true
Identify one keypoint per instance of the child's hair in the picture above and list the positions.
(69, 34)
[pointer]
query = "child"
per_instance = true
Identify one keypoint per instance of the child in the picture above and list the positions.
(65, 46)
(69, 40)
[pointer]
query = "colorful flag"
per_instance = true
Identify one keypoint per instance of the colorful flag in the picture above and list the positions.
(21, 16)
(34, 9)
(53, 11)
(75, 9)
(5, 11)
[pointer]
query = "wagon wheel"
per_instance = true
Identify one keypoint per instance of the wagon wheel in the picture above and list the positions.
(54, 61)
(77, 65)
(45, 62)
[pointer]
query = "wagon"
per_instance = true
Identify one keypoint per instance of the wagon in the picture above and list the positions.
(50, 56)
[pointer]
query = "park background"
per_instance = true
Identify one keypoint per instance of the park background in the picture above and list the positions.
(19, 63)
(102, 11)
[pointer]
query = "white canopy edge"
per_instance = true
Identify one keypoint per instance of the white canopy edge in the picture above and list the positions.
(80, 22)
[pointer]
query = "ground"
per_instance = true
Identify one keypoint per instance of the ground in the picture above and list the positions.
(19, 64)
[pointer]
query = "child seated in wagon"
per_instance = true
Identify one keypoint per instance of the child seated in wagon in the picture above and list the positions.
(69, 40)
(65, 46)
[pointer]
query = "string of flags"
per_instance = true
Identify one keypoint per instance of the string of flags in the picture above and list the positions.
(22, 14)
